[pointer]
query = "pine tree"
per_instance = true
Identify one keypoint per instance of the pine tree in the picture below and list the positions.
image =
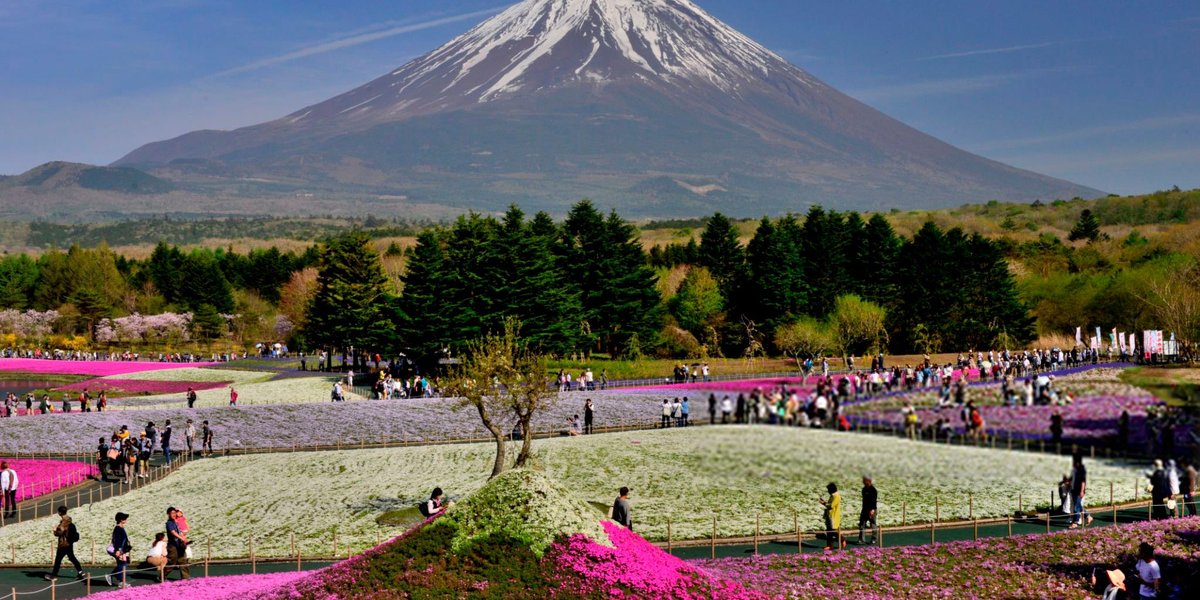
(619, 298)
(774, 290)
(203, 283)
(722, 254)
(1087, 228)
(424, 326)
(350, 308)
(822, 249)
(880, 249)
(535, 287)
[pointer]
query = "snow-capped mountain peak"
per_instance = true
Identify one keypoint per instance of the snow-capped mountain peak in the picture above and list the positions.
(544, 44)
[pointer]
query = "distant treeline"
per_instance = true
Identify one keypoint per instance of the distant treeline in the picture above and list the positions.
(191, 232)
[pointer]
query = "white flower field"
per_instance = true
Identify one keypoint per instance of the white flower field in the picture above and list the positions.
(687, 475)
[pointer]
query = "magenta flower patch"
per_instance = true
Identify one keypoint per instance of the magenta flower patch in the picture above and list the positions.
(95, 368)
(41, 477)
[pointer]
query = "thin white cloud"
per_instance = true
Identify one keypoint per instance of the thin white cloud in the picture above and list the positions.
(1140, 125)
(945, 87)
(984, 51)
(1115, 158)
(355, 40)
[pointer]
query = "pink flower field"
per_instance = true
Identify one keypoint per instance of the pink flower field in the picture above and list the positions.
(41, 477)
(136, 387)
(206, 588)
(95, 368)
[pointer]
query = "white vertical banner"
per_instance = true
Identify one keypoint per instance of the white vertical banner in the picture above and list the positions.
(1132, 343)
(1078, 336)
(1120, 339)
(1112, 339)
(1099, 338)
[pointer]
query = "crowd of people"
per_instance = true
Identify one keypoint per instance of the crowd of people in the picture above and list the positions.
(45, 405)
(126, 457)
(169, 551)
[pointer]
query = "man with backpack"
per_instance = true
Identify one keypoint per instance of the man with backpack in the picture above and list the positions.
(67, 535)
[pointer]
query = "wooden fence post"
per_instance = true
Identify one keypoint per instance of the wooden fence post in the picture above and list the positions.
(712, 547)
(799, 539)
(970, 506)
(976, 530)
(903, 514)
(757, 521)
(670, 539)
(1010, 527)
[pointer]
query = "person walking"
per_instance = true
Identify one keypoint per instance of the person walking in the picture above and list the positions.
(191, 398)
(1188, 487)
(102, 459)
(621, 509)
(684, 410)
(206, 441)
(666, 414)
(233, 397)
(833, 518)
(67, 535)
(870, 504)
(589, 414)
(8, 490)
(712, 409)
(166, 442)
(176, 546)
(189, 436)
(119, 548)
(1078, 489)
(1160, 492)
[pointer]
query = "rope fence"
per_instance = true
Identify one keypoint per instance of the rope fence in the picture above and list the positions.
(769, 526)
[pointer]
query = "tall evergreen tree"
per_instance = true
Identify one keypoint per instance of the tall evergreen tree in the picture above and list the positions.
(165, 268)
(535, 287)
(822, 248)
(620, 301)
(203, 283)
(18, 279)
(350, 308)
(880, 248)
(1087, 228)
(774, 290)
(722, 254)
(425, 327)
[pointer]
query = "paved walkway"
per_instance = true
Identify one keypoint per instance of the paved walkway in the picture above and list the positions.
(28, 583)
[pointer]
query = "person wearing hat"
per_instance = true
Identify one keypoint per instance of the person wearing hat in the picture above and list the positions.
(1113, 584)
(119, 548)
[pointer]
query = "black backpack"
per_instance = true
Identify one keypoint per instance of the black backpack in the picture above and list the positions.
(72, 534)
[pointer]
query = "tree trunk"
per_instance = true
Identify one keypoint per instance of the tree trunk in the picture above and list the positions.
(498, 435)
(526, 441)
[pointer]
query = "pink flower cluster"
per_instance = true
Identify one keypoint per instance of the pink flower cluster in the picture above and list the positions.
(236, 587)
(40, 477)
(168, 327)
(132, 387)
(95, 368)
(633, 568)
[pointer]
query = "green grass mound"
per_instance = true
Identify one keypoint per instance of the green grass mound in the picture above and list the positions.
(525, 506)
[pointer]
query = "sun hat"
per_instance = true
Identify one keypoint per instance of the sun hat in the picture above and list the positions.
(1117, 577)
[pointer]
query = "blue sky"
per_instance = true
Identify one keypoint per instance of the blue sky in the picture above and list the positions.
(1102, 92)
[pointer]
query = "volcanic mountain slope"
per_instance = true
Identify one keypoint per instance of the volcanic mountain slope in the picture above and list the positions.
(651, 106)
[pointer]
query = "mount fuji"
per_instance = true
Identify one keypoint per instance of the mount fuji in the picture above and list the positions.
(653, 107)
